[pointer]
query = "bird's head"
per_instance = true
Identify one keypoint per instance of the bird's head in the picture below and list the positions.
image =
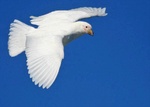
(85, 28)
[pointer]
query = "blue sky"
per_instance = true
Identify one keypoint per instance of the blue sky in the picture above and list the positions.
(111, 69)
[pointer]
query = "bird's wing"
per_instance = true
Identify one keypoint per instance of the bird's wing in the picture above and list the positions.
(44, 56)
(68, 15)
(86, 12)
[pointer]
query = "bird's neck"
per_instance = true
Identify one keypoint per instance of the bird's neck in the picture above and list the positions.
(76, 29)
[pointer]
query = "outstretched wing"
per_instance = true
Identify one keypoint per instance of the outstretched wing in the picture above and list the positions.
(86, 12)
(68, 15)
(44, 56)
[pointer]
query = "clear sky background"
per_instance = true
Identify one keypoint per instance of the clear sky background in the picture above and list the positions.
(111, 69)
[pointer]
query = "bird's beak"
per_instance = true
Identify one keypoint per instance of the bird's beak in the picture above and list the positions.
(90, 32)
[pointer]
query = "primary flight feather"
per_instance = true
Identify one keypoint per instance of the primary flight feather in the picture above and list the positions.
(44, 45)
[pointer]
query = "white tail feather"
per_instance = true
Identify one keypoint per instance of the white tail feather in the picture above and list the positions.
(17, 37)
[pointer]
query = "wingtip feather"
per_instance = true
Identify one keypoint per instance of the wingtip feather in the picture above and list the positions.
(102, 11)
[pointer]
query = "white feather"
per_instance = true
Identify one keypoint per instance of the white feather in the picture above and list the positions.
(67, 15)
(49, 53)
(17, 37)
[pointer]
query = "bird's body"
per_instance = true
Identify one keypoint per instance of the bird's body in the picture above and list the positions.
(44, 46)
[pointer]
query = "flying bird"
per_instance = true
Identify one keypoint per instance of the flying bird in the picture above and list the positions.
(44, 44)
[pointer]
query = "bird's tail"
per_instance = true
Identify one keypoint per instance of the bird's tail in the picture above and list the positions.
(17, 37)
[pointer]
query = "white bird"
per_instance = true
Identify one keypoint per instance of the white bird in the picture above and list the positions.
(44, 45)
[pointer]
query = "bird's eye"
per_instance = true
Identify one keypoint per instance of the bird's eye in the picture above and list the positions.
(86, 26)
